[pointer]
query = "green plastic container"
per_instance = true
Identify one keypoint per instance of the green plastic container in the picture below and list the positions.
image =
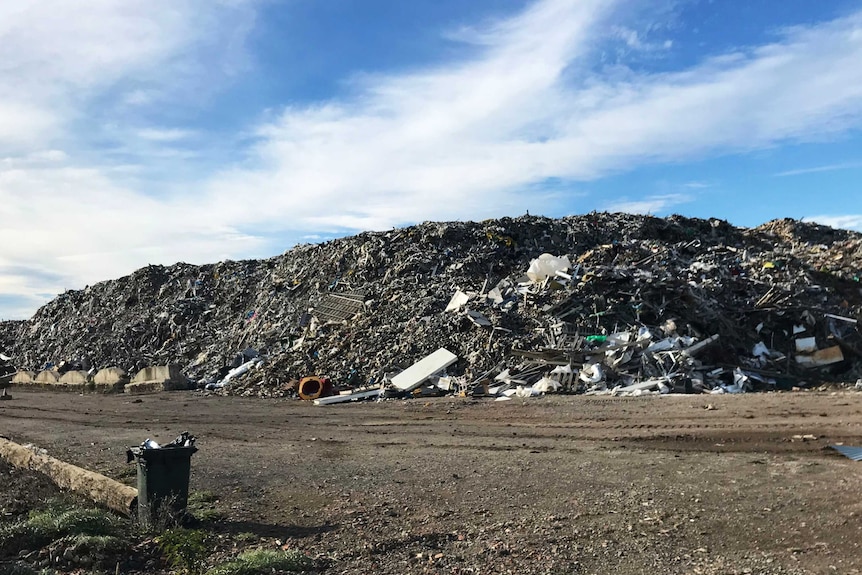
(163, 482)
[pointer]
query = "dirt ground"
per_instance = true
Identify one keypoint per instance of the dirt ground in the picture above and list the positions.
(562, 484)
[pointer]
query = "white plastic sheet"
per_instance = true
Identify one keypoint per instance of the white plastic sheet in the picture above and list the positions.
(546, 266)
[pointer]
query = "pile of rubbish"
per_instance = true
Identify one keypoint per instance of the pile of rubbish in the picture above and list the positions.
(595, 303)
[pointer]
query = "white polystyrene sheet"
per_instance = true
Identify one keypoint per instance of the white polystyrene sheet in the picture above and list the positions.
(545, 385)
(592, 373)
(413, 376)
(347, 397)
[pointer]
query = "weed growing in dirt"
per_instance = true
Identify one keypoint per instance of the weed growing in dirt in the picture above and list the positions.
(185, 549)
(260, 561)
(246, 537)
(166, 514)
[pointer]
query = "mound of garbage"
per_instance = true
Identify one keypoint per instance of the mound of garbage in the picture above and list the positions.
(594, 303)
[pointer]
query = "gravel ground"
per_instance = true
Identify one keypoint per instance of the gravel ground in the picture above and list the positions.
(562, 484)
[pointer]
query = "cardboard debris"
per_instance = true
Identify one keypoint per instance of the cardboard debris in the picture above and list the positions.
(822, 357)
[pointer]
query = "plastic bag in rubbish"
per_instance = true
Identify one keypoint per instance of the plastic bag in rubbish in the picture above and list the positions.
(547, 265)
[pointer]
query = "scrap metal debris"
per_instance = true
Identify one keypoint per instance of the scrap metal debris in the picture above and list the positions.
(848, 451)
(7, 372)
(599, 303)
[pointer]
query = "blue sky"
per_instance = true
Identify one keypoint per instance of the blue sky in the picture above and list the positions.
(139, 132)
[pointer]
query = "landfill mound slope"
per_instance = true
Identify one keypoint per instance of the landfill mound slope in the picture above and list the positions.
(8, 333)
(675, 275)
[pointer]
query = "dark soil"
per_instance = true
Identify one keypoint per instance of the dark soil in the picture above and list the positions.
(22, 490)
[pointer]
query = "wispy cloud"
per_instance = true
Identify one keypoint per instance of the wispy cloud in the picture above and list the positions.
(164, 134)
(697, 185)
(846, 221)
(634, 40)
(467, 138)
(651, 205)
(818, 169)
(56, 62)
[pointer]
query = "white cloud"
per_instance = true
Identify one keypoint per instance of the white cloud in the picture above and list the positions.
(164, 134)
(846, 221)
(139, 97)
(697, 185)
(818, 169)
(57, 55)
(466, 139)
(67, 221)
(83, 239)
(650, 205)
(634, 40)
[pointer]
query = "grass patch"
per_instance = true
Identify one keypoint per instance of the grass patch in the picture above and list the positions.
(208, 515)
(202, 498)
(125, 473)
(59, 519)
(19, 568)
(246, 537)
(202, 506)
(97, 545)
(261, 561)
(185, 549)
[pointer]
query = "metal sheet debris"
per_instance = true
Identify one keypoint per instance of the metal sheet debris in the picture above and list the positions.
(340, 306)
(849, 451)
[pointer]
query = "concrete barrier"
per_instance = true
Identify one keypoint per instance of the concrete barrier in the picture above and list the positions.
(47, 377)
(74, 377)
(158, 378)
(24, 377)
(111, 379)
